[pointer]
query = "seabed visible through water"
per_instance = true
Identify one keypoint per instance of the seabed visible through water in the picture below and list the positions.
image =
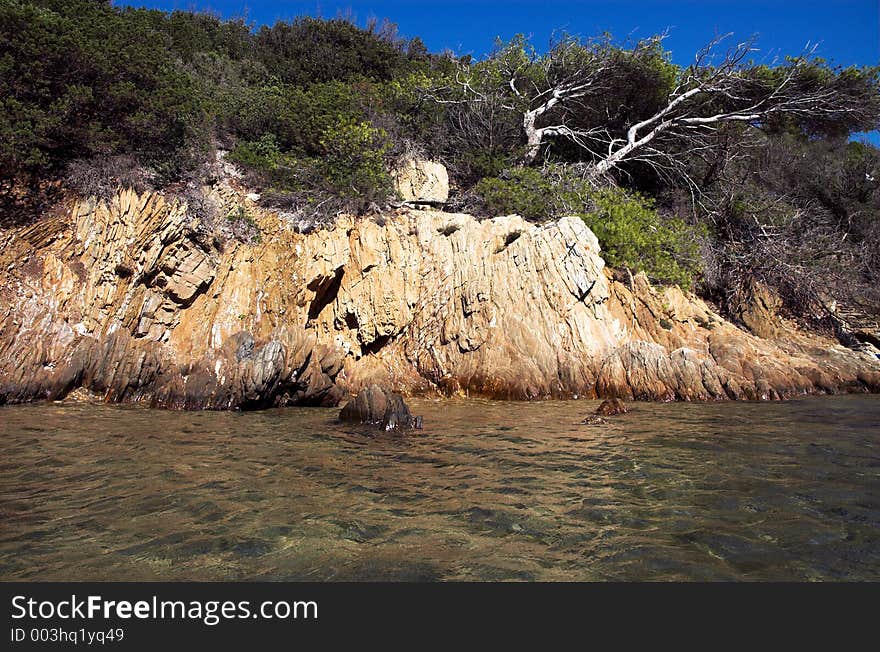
(487, 491)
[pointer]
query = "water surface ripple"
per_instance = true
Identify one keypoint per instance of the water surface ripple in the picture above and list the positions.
(488, 491)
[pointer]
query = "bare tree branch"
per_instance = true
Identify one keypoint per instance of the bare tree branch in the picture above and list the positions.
(709, 94)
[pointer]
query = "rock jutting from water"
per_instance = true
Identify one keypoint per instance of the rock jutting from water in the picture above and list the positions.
(611, 407)
(136, 299)
(608, 408)
(375, 406)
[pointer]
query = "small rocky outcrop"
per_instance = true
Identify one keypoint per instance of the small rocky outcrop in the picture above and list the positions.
(608, 408)
(757, 308)
(420, 181)
(611, 407)
(375, 406)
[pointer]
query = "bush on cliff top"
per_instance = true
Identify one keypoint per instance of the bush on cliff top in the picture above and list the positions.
(352, 160)
(524, 191)
(632, 233)
(80, 79)
(350, 164)
(634, 236)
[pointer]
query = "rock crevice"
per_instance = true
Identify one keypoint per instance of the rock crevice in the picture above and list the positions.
(127, 299)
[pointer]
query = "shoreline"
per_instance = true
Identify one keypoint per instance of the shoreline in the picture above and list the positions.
(75, 398)
(136, 300)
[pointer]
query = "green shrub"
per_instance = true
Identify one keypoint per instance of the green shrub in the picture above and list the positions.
(310, 50)
(353, 160)
(312, 112)
(524, 191)
(261, 154)
(298, 117)
(350, 166)
(80, 79)
(632, 233)
(264, 158)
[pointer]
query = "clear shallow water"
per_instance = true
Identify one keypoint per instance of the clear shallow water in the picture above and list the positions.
(488, 491)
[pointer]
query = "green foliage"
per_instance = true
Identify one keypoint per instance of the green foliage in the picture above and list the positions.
(81, 79)
(264, 157)
(630, 84)
(192, 34)
(324, 106)
(404, 98)
(524, 191)
(352, 160)
(310, 50)
(298, 116)
(485, 162)
(634, 236)
(631, 232)
(350, 163)
(859, 84)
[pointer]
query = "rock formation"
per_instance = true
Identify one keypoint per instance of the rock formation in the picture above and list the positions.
(608, 408)
(858, 324)
(420, 181)
(758, 310)
(611, 407)
(375, 406)
(136, 299)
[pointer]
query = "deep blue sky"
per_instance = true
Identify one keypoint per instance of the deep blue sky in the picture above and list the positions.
(848, 31)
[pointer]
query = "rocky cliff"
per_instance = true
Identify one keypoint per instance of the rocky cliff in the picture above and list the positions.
(134, 299)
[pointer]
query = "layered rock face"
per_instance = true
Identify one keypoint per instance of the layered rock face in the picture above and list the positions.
(136, 300)
(418, 180)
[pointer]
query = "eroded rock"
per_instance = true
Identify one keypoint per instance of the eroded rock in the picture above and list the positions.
(375, 406)
(135, 301)
(418, 180)
(757, 308)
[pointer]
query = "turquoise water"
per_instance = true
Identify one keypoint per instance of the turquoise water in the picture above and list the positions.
(487, 491)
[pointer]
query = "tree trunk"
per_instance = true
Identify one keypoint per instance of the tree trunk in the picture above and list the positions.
(533, 136)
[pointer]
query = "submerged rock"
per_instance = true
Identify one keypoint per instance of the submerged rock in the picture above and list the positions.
(608, 408)
(611, 407)
(375, 406)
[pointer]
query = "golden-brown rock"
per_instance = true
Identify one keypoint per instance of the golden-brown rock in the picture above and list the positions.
(418, 180)
(135, 300)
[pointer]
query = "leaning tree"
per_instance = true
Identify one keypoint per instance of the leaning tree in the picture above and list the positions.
(585, 93)
(722, 88)
(540, 95)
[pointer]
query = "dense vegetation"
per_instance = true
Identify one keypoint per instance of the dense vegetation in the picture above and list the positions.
(714, 175)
